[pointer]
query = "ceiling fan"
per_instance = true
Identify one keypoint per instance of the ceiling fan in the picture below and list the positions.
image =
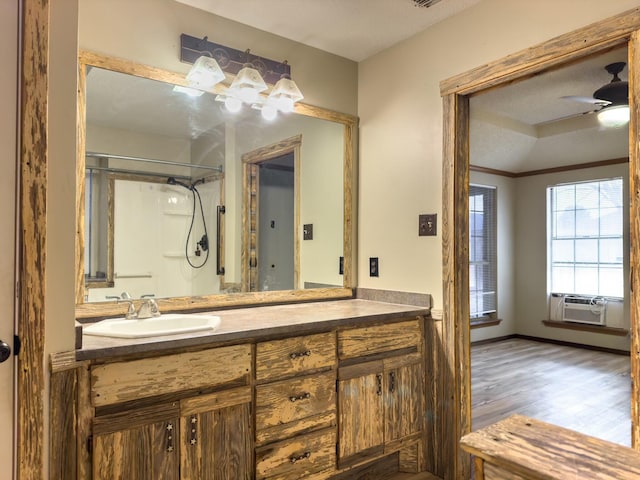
(612, 98)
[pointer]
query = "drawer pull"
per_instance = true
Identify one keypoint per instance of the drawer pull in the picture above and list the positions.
(294, 355)
(170, 444)
(193, 437)
(379, 380)
(392, 382)
(302, 396)
(304, 456)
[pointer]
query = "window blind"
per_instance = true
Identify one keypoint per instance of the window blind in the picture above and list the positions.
(482, 250)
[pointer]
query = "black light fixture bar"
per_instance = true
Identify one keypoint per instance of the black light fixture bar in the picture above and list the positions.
(230, 59)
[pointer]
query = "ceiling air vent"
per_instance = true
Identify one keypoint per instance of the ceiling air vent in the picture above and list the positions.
(424, 3)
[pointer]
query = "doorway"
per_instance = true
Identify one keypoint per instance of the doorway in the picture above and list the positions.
(270, 217)
(528, 139)
(276, 233)
(607, 34)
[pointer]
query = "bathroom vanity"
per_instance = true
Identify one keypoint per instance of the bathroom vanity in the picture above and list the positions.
(337, 389)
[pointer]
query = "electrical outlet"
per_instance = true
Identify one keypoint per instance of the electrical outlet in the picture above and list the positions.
(373, 267)
(427, 225)
(307, 231)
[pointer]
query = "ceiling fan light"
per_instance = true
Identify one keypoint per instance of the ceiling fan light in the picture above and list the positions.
(247, 85)
(614, 116)
(205, 73)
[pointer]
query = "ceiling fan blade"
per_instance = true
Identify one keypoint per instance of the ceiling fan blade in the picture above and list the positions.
(567, 117)
(594, 101)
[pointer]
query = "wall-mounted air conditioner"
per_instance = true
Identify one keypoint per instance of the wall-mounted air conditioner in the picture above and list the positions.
(586, 309)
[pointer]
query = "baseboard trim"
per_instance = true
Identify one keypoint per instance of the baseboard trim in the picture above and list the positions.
(554, 342)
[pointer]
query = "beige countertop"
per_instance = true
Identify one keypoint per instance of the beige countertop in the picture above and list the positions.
(254, 322)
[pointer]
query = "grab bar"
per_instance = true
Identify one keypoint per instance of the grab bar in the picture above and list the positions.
(219, 266)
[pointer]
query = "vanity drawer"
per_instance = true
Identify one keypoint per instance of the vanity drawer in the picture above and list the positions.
(360, 342)
(148, 377)
(284, 358)
(311, 456)
(289, 407)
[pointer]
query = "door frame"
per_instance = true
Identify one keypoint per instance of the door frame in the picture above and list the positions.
(251, 207)
(32, 170)
(455, 337)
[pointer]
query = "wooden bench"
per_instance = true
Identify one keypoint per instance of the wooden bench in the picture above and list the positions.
(521, 448)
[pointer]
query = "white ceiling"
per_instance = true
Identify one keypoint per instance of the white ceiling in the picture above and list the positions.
(524, 126)
(354, 29)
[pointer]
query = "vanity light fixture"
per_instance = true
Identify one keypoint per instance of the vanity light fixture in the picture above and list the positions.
(253, 75)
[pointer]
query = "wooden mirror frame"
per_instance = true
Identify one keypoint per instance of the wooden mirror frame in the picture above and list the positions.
(105, 309)
(454, 332)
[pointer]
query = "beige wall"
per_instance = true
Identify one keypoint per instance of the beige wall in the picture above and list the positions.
(400, 112)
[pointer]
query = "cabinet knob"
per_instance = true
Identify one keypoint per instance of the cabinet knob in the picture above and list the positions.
(295, 459)
(294, 355)
(302, 396)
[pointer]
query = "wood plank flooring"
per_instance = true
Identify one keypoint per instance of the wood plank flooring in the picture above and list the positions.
(584, 390)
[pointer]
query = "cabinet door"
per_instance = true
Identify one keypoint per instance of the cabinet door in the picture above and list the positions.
(403, 401)
(216, 436)
(361, 410)
(138, 444)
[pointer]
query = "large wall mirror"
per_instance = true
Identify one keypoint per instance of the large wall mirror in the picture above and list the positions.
(184, 201)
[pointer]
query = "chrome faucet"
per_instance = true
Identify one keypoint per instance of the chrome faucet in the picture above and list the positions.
(148, 308)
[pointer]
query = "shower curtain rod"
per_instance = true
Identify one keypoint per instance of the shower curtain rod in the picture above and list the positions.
(152, 160)
(137, 172)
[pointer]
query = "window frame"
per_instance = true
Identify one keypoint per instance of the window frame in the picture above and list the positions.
(551, 222)
(490, 248)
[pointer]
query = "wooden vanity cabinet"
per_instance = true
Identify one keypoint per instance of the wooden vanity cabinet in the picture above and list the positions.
(138, 444)
(335, 404)
(380, 390)
(296, 408)
(193, 436)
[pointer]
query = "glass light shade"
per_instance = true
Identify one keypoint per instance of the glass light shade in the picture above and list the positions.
(247, 85)
(233, 104)
(614, 116)
(205, 73)
(284, 94)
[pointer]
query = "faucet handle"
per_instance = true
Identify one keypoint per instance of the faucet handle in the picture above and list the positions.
(153, 307)
(131, 311)
(125, 296)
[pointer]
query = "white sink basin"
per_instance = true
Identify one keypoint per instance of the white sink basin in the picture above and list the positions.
(167, 324)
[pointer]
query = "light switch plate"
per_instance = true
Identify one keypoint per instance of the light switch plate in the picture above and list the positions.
(427, 225)
(373, 267)
(307, 231)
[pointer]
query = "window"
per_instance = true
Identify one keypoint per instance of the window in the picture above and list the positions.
(482, 250)
(585, 236)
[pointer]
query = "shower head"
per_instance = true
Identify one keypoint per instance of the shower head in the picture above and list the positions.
(173, 181)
